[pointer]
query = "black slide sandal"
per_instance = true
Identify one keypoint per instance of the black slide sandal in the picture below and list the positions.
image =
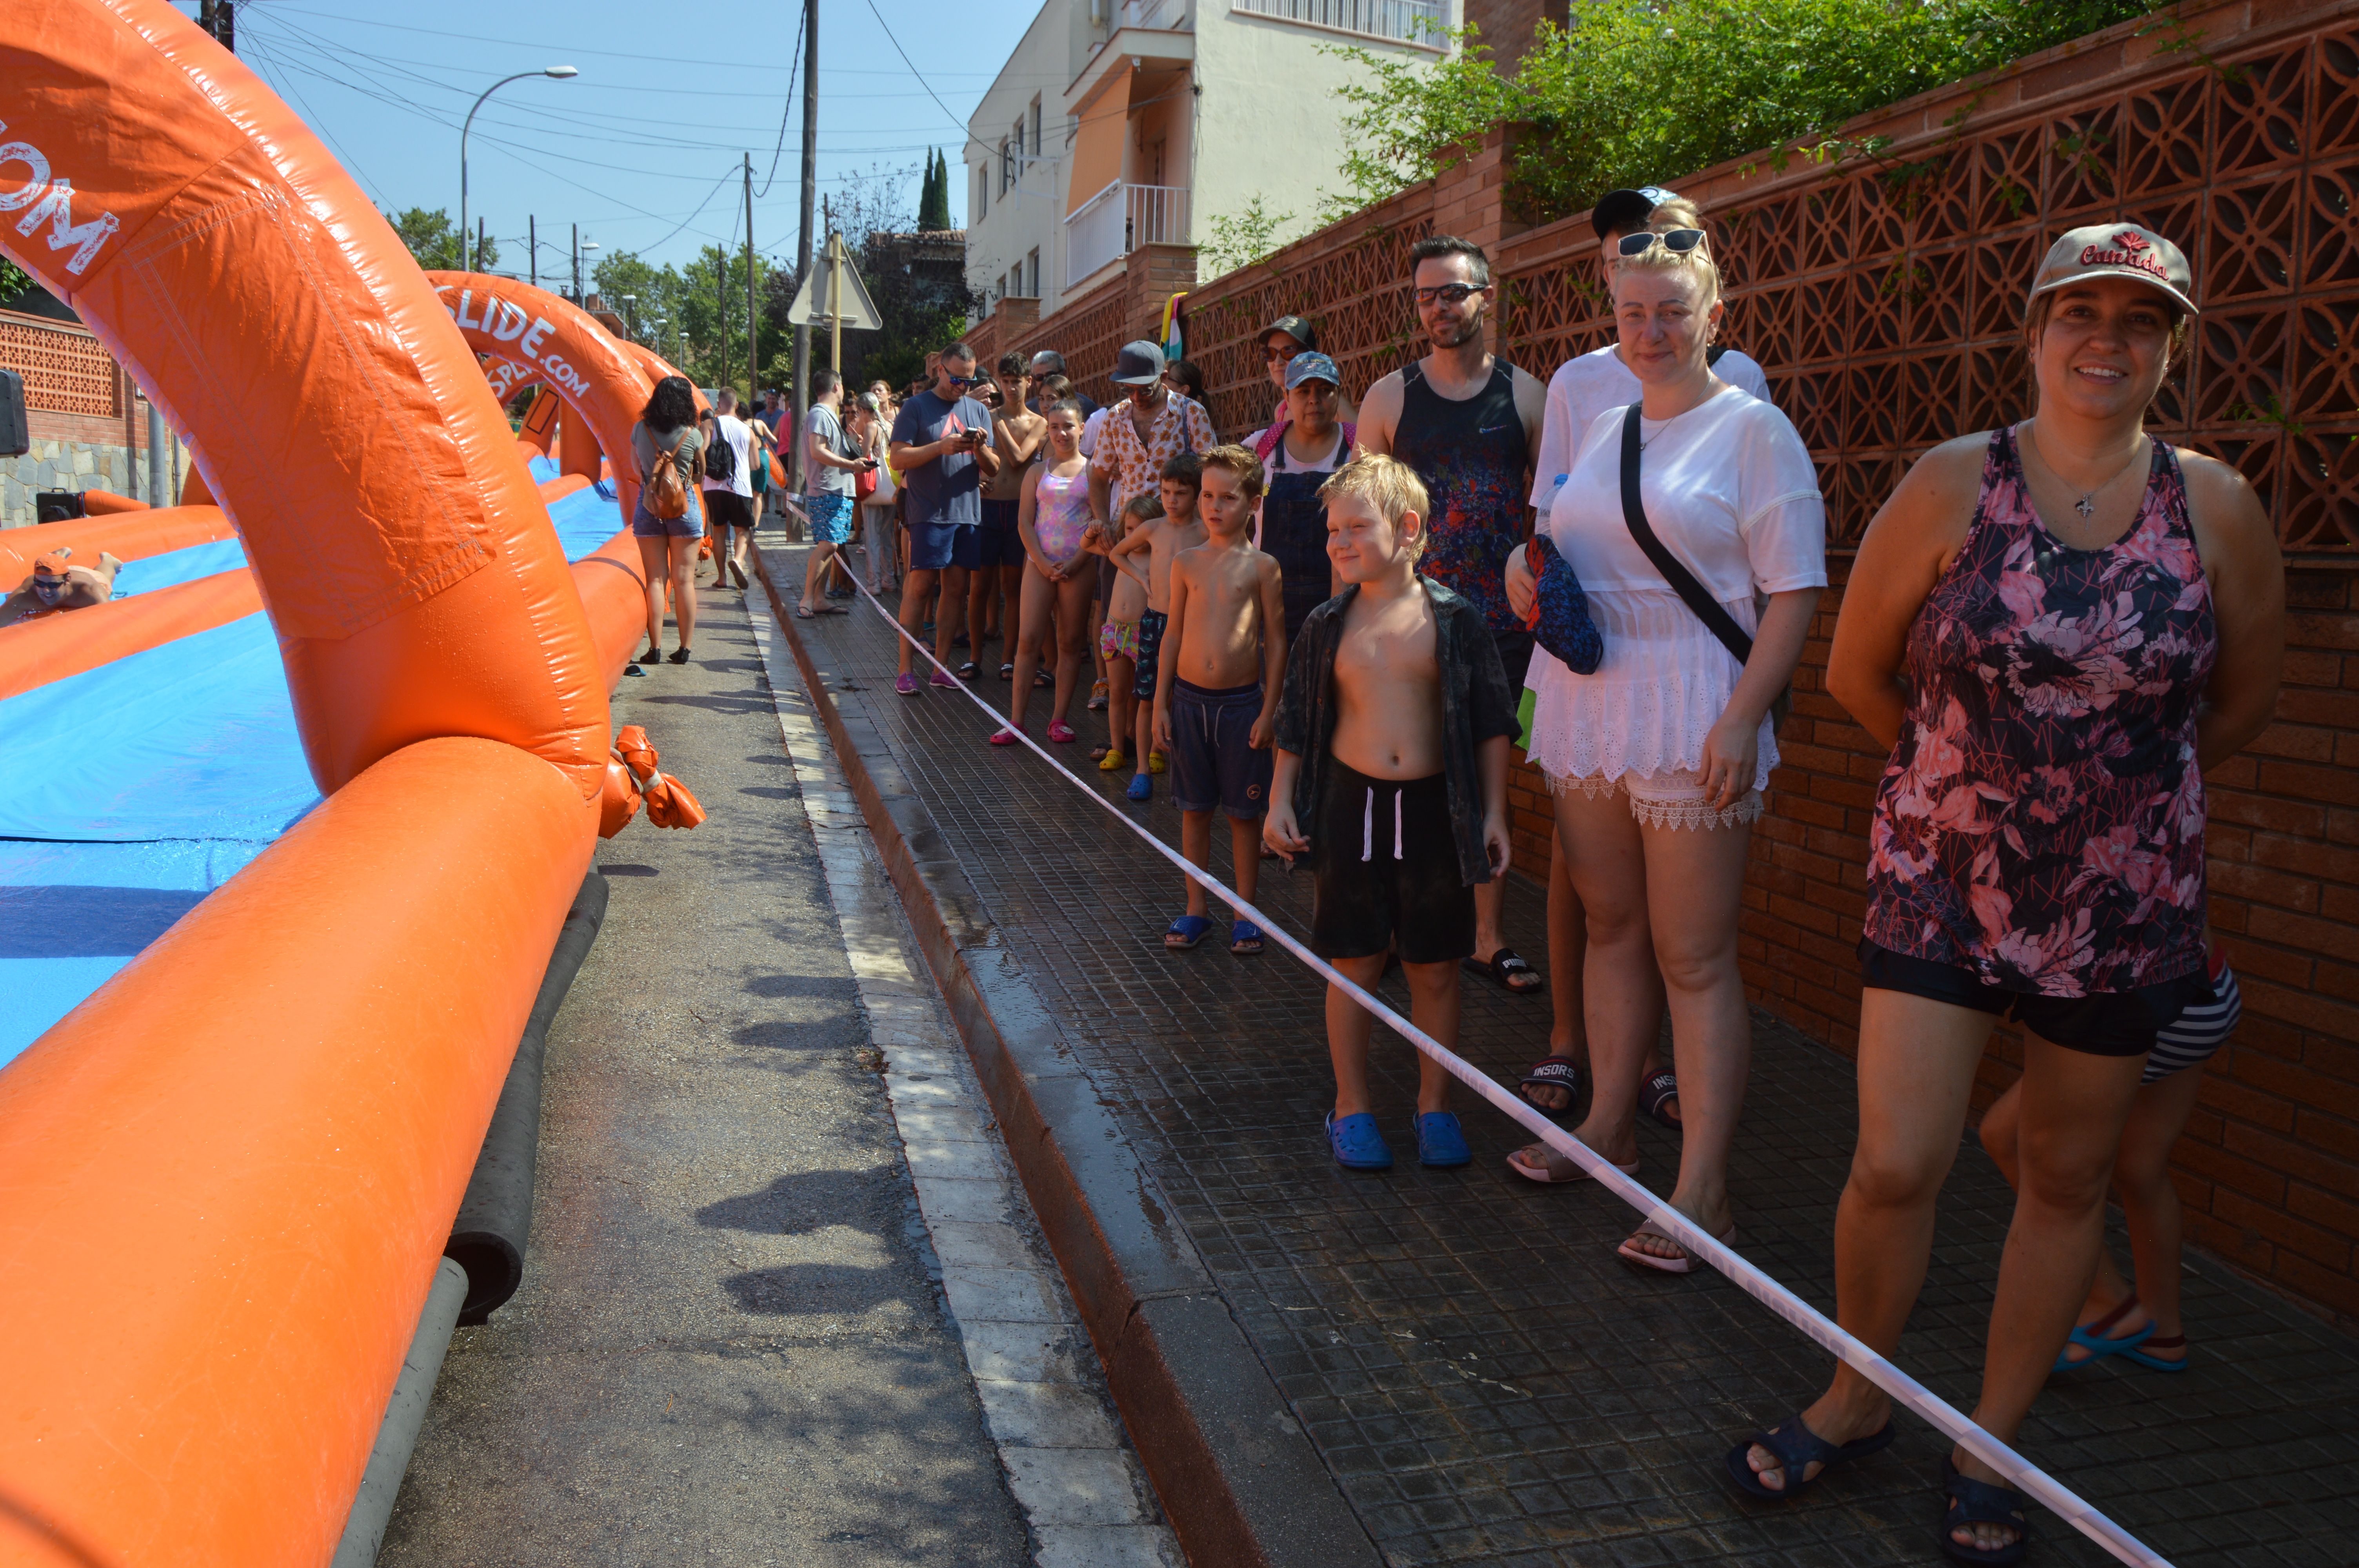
(1504, 966)
(1658, 1092)
(1553, 1073)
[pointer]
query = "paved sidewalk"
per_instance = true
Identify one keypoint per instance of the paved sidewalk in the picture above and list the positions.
(1484, 1381)
(733, 1343)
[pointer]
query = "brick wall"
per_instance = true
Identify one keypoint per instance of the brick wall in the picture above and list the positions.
(1884, 298)
(88, 425)
(1505, 27)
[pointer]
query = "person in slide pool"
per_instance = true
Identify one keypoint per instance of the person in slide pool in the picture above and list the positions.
(1216, 688)
(1392, 775)
(1052, 520)
(55, 583)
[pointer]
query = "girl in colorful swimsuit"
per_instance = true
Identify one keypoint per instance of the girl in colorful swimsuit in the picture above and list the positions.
(1052, 519)
(2056, 626)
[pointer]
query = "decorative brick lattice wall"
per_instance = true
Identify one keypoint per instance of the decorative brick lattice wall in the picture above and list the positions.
(66, 369)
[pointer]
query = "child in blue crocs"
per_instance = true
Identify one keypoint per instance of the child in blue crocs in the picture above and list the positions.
(1392, 775)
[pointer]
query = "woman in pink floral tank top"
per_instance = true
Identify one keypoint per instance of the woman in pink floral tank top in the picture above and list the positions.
(2056, 627)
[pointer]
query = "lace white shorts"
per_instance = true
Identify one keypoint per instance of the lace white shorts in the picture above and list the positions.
(1674, 798)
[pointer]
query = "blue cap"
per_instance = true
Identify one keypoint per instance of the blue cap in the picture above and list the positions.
(1312, 365)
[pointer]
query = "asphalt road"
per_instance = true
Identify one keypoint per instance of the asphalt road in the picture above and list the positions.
(727, 1348)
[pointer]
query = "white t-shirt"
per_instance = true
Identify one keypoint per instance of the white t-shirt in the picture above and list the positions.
(1730, 489)
(1584, 387)
(1090, 431)
(740, 442)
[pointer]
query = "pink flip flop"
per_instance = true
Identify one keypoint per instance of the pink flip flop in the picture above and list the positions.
(1685, 1263)
(1542, 1175)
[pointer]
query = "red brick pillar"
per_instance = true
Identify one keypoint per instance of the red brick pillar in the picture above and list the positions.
(1154, 273)
(1470, 196)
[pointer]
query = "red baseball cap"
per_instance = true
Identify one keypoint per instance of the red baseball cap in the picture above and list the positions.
(2117, 250)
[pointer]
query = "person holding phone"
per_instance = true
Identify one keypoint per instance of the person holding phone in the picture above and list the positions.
(941, 448)
(833, 463)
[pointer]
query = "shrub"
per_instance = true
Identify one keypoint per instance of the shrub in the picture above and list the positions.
(1633, 92)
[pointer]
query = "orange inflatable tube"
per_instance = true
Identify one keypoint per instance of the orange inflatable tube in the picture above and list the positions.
(237, 273)
(132, 536)
(105, 503)
(227, 1174)
(568, 351)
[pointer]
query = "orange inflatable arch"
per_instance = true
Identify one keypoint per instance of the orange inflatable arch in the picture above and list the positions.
(226, 1177)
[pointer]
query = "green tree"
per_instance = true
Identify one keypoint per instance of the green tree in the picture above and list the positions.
(433, 238)
(934, 200)
(1629, 92)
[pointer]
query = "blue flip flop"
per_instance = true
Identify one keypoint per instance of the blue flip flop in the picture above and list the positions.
(1186, 932)
(1441, 1143)
(1245, 938)
(1796, 1445)
(1358, 1144)
(2091, 1337)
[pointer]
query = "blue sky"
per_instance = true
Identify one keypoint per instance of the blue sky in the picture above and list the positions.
(649, 129)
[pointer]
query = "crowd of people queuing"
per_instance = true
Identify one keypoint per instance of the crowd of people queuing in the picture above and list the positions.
(1332, 630)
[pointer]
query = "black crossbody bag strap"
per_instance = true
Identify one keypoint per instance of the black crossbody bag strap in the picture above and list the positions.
(1693, 594)
(1708, 610)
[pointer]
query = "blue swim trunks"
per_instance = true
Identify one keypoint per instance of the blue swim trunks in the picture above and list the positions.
(830, 517)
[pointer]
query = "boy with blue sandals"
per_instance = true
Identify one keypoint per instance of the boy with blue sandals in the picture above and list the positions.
(1392, 775)
(1216, 688)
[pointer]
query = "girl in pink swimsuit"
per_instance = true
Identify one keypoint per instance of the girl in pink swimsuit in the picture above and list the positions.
(1053, 520)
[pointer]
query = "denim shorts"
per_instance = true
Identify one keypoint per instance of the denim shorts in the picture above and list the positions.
(689, 524)
(933, 546)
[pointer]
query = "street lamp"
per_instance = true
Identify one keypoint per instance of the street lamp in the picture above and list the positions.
(630, 302)
(558, 71)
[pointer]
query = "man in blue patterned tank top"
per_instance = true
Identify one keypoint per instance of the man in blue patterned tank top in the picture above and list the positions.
(1468, 422)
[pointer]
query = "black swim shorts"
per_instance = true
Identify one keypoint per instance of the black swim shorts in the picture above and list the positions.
(2109, 1023)
(1150, 648)
(1385, 858)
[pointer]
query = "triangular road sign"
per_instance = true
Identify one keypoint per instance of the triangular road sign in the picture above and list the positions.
(816, 304)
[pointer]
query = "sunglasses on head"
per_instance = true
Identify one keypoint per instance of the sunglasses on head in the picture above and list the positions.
(1448, 293)
(1678, 242)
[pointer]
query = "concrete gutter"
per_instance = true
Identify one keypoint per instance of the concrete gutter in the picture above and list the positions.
(1237, 1475)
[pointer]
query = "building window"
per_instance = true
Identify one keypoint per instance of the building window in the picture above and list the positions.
(1033, 264)
(1036, 127)
(981, 191)
(1006, 166)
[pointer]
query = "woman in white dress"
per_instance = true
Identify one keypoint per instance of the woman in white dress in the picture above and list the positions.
(1658, 759)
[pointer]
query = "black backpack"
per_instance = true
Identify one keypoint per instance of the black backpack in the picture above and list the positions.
(720, 457)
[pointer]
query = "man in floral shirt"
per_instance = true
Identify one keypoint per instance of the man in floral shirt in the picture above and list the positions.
(1143, 433)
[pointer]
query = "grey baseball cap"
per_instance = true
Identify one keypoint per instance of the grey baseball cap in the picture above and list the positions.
(1140, 364)
(1294, 327)
(2117, 250)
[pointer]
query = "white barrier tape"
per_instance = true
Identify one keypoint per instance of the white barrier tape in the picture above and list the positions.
(2036, 1483)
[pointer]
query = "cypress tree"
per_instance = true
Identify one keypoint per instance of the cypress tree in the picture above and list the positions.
(934, 194)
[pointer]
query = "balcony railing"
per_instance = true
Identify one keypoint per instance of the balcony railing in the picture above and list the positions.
(1410, 21)
(1120, 219)
(1166, 15)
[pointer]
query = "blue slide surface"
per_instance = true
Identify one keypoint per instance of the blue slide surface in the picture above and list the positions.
(137, 788)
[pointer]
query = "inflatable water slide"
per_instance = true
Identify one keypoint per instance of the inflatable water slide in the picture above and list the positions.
(295, 821)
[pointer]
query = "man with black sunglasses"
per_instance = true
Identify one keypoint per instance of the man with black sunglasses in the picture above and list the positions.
(941, 448)
(1468, 422)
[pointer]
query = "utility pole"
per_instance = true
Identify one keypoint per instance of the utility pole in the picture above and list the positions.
(721, 312)
(532, 243)
(479, 242)
(577, 261)
(753, 343)
(801, 398)
(219, 19)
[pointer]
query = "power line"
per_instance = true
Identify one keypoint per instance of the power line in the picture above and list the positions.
(802, 17)
(913, 66)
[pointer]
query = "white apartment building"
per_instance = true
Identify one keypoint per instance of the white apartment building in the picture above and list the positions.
(1122, 123)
